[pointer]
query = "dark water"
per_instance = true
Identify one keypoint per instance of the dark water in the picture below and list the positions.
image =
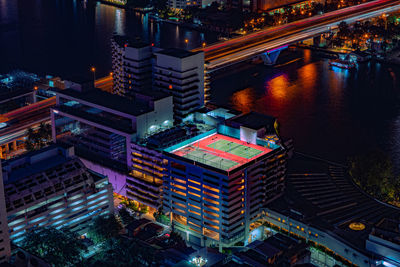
(331, 113)
(67, 37)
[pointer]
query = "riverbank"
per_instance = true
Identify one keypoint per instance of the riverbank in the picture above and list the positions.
(391, 57)
(122, 4)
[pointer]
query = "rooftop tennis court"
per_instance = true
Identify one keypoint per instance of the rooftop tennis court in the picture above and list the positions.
(222, 152)
(235, 148)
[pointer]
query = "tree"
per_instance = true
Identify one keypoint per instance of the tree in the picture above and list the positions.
(344, 29)
(126, 217)
(37, 139)
(176, 240)
(59, 247)
(124, 252)
(373, 172)
(104, 228)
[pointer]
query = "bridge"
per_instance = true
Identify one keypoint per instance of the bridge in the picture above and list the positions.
(268, 42)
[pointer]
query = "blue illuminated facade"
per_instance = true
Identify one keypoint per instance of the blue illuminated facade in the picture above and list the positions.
(52, 187)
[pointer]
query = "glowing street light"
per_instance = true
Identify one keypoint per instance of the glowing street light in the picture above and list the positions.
(93, 69)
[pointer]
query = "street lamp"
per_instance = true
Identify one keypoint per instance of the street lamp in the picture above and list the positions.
(204, 44)
(93, 69)
(186, 42)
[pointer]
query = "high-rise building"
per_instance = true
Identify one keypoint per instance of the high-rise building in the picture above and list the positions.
(181, 73)
(105, 128)
(218, 182)
(52, 187)
(132, 65)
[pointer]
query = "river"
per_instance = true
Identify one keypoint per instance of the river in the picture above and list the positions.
(331, 113)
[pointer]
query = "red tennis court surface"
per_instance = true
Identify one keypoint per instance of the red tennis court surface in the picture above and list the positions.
(221, 151)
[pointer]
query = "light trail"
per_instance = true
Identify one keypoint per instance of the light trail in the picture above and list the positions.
(242, 48)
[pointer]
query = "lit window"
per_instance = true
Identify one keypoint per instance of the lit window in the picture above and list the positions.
(193, 182)
(195, 188)
(194, 194)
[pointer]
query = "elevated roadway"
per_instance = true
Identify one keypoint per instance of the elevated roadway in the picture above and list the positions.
(223, 54)
(14, 124)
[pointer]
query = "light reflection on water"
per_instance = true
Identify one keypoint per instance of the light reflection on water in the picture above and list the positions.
(66, 38)
(332, 113)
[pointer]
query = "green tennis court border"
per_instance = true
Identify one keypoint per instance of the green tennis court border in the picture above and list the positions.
(235, 148)
(210, 159)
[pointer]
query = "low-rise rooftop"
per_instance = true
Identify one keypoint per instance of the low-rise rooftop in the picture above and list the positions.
(253, 120)
(134, 107)
(176, 52)
(33, 163)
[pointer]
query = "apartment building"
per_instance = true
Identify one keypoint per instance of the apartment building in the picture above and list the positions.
(181, 73)
(131, 64)
(218, 182)
(52, 187)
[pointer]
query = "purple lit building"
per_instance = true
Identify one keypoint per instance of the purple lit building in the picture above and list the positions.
(105, 130)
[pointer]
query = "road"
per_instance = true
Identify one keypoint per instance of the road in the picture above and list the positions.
(105, 83)
(242, 48)
(18, 121)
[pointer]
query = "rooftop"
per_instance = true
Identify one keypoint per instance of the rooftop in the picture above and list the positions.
(220, 151)
(253, 120)
(177, 52)
(33, 163)
(130, 41)
(111, 101)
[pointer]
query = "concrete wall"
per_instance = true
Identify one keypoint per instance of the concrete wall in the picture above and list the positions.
(118, 180)
(163, 111)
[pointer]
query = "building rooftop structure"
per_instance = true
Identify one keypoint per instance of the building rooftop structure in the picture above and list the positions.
(253, 120)
(133, 107)
(177, 52)
(220, 151)
(322, 197)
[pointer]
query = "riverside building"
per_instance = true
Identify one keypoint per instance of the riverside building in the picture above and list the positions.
(181, 73)
(52, 187)
(218, 182)
(131, 65)
(137, 66)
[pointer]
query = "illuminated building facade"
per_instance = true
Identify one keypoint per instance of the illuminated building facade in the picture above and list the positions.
(52, 187)
(106, 129)
(181, 73)
(218, 182)
(131, 64)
